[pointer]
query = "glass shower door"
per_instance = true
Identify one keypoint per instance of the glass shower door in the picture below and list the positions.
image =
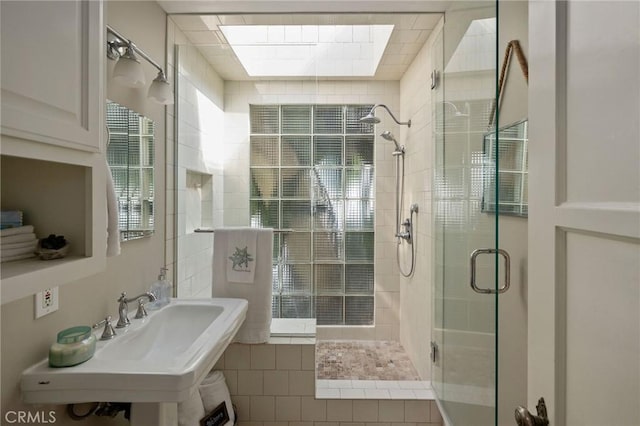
(465, 326)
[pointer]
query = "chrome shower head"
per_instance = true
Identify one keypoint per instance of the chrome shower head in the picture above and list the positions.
(372, 119)
(389, 136)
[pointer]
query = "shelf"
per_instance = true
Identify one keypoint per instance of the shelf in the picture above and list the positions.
(57, 197)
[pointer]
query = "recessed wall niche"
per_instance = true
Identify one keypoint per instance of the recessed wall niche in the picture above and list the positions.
(198, 201)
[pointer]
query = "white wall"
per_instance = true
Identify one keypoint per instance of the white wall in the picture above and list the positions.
(416, 291)
(199, 169)
(238, 96)
(26, 341)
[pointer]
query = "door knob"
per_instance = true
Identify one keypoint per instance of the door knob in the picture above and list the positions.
(525, 418)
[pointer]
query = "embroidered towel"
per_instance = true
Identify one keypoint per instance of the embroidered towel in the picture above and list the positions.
(257, 325)
(241, 253)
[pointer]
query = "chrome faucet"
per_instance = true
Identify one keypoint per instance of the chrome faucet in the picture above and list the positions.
(123, 307)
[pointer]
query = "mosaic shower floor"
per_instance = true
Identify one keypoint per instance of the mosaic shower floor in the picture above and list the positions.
(363, 360)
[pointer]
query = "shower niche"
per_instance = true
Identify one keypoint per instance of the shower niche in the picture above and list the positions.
(199, 201)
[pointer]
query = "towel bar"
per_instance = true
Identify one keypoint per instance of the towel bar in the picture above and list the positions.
(275, 231)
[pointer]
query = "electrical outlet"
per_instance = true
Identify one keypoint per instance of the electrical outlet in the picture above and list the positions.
(46, 301)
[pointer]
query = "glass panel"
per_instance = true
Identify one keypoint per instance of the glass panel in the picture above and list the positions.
(329, 310)
(327, 183)
(359, 183)
(359, 246)
(329, 279)
(353, 115)
(327, 150)
(360, 214)
(296, 119)
(359, 150)
(264, 119)
(328, 215)
(296, 214)
(275, 307)
(296, 183)
(297, 307)
(264, 151)
(296, 150)
(296, 278)
(328, 246)
(296, 247)
(264, 183)
(359, 279)
(327, 119)
(358, 310)
(464, 374)
(264, 213)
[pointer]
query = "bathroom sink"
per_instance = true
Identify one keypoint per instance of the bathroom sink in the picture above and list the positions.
(160, 358)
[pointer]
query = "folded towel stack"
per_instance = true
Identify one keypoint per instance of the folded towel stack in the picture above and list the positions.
(17, 243)
(10, 219)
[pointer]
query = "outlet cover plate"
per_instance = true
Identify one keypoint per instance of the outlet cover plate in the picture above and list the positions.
(46, 301)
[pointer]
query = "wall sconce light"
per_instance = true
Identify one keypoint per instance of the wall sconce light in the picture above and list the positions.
(128, 70)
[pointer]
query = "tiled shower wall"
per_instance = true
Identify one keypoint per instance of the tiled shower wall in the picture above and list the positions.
(240, 94)
(273, 385)
(416, 291)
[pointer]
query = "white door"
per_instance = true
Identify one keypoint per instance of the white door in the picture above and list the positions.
(584, 214)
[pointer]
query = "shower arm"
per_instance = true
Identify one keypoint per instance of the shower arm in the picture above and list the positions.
(408, 123)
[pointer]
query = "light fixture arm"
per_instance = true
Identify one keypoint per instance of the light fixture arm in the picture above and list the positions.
(122, 41)
(407, 123)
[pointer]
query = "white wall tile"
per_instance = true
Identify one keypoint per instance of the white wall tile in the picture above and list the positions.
(276, 382)
(288, 357)
(341, 411)
(263, 408)
(391, 411)
(288, 408)
(365, 411)
(263, 357)
(313, 409)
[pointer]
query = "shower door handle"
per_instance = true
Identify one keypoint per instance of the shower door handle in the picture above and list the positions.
(507, 271)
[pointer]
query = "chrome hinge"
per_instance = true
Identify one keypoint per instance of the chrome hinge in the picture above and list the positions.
(434, 352)
(435, 79)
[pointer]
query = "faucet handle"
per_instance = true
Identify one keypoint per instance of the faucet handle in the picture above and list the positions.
(141, 312)
(108, 332)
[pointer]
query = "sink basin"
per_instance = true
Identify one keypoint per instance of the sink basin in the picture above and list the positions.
(160, 358)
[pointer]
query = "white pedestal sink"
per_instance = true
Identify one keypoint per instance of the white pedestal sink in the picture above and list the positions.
(154, 363)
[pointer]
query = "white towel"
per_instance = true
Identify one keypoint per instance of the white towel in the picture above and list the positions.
(191, 410)
(214, 391)
(19, 238)
(257, 325)
(27, 229)
(240, 253)
(17, 257)
(113, 230)
(31, 243)
(5, 252)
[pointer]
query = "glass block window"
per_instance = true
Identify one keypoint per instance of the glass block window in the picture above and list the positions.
(312, 175)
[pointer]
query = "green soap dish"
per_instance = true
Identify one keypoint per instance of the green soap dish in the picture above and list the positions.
(74, 346)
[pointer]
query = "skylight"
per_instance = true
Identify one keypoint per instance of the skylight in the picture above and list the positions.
(308, 50)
